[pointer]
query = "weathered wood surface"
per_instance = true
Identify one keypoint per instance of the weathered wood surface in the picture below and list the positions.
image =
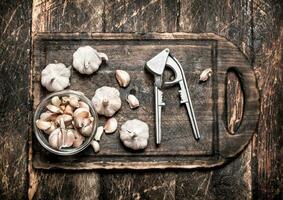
(252, 25)
(196, 52)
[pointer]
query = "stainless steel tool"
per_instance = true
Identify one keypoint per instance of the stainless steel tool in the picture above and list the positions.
(156, 66)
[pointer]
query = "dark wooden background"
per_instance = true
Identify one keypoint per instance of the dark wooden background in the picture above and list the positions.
(255, 26)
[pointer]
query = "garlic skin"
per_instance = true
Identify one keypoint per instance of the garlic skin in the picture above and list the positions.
(106, 101)
(205, 74)
(111, 125)
(55, 77)
(133, 101)
(123, 78)
(134, 134)
(95, 145)
(87, 60)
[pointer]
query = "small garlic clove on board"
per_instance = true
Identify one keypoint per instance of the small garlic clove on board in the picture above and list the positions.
(99, 132)
(123, 78)
(133, 101)
(95, 145)
(111, 125)
(55, 101)
(205, 74)
(54, 109)
(42, 125)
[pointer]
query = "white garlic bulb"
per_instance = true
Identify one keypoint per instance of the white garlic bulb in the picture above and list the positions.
(106, 101)
(134, 134)
(55, 77)
(87, 60)
(123, 78)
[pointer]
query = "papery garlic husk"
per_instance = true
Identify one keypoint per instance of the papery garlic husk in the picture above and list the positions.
(86, 130)
(42, 125)
(55, 77)
(87, 60)
(107, 101)
(204, 76)
(134, 134)
(79, 139)
(133, 101)
(69, 110)
(48, 116)
(54, 109)
(55, 101)
(95, 145)
(74, 101)
(123, 78)
(111, 125)
(83, 105)
(99, 132)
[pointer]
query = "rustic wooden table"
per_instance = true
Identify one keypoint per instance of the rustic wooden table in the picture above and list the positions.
(254, 26)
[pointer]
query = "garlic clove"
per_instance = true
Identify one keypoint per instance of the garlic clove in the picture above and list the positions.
(81, 112)
(42, 125)
(65, 100)
(95, 145)
(123, 78)
(86, 130)
(111, 125)
(48, 116)
(133, 101)
(69, 110)
(99, 132)
(62, 107)
(78, 122)
(69, 138)
(83, 105)
(54, 109)
(205, 74)
(74, 101)
(51, 128)
(54, 138)
(55, 101)
(79, 139)
(67, 119)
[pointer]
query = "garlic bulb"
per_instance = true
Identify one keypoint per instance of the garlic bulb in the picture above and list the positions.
(123, 78)
(55, 77)
(111, 125)
(106, 101)
(134, 134)
(133, 101)
(87, 60)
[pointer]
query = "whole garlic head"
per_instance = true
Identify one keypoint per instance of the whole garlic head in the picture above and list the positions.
(55, 77)
(134, 134)
(87, 60)
(106, 101)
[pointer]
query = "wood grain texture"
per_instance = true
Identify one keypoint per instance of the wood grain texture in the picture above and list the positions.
(268, 41)
(15, 112)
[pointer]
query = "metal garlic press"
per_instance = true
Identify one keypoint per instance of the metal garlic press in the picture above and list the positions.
(156, 66)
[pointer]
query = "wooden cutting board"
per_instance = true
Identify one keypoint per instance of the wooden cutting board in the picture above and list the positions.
(129, 52)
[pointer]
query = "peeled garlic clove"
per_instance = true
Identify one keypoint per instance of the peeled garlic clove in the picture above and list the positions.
(204, 76)
(66, 119)
(54, 109)
(95, 145)
(111, 125)
(54, 138)
(79, 139)
(81, 112)
(55, 101)
(42, 125)
(133, 101)
(69, 110)
(87, 130)
(99, 132)
(48, 116)
(74, 101)
(51, 128)
(83, 105)
(123, 78)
